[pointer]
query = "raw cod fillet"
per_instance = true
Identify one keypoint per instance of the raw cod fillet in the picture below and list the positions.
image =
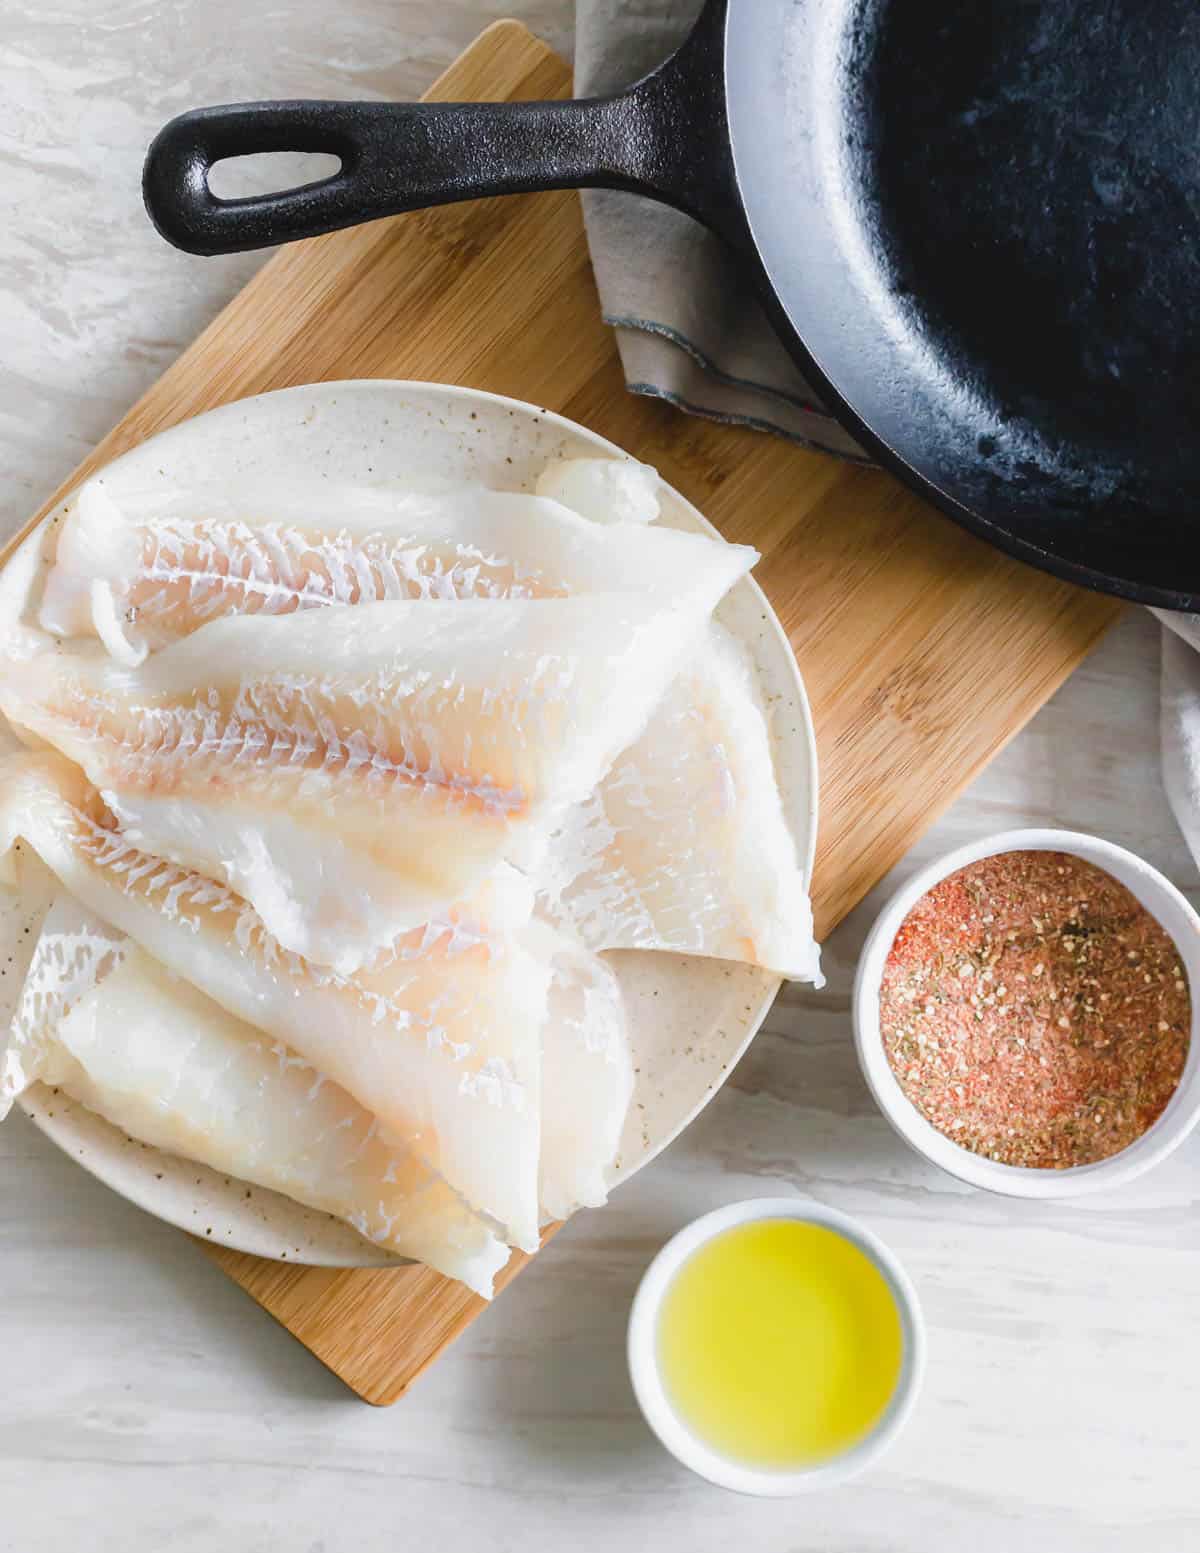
(587, 1078)
(685, 846)
(102, 1021)
(143, 572)
(604, 490)
(24, 903)
(74, 951)
(658, 820)
(440, 1037)
(351, 771)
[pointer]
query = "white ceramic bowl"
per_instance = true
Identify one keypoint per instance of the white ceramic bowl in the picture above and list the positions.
(1160, 898)
(651, 1394)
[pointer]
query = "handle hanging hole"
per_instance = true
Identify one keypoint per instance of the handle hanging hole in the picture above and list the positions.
(270, 172)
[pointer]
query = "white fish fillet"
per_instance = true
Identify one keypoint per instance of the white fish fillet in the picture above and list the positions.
(146, 571)
(587, 1079)
(605, 490)
(102, 1021)
(351, 771)
(440, 1038)
(71, 952)
(685, 846)
(712, 705)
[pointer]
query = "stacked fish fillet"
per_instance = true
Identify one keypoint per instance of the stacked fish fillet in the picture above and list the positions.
(332, 870)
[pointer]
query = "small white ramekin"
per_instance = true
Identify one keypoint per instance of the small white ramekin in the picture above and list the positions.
(651, 1394)
(1160, 898)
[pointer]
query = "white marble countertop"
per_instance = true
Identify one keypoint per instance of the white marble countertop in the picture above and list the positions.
(145, 1403)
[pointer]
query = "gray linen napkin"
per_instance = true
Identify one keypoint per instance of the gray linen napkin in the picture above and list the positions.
(689, 330)
(687, 326)
(1180, 721)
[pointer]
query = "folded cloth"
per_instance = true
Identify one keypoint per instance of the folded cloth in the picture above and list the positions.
(1180, 721)
(687, 324)
(688, 329)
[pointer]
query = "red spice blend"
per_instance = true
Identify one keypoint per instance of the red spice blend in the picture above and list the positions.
(1034, 1011)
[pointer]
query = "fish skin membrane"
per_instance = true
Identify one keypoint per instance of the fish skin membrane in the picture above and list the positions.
(100, 1020)
(440, 1036)
(350, 771)
(685, 846)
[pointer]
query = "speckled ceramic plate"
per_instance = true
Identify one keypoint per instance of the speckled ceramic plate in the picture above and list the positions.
(691, 1018)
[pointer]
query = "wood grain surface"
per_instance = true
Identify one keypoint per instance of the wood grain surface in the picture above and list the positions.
(923, 650)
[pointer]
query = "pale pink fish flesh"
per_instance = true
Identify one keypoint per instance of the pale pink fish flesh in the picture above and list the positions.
(686, 846)
(587, 1078)
(352, 771)
(141, 578)
(440, 1037)
(124, 1038)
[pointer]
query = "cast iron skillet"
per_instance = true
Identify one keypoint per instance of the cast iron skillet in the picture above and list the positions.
(977, 227)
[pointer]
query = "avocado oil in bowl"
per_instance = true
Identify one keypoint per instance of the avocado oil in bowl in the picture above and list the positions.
(775, 1346)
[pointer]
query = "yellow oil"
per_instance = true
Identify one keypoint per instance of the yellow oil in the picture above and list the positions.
(779, 1343)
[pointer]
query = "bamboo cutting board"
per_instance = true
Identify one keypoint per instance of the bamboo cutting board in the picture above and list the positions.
(923, 651)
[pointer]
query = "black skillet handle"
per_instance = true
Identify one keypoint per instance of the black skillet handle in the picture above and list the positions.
(666, 137)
